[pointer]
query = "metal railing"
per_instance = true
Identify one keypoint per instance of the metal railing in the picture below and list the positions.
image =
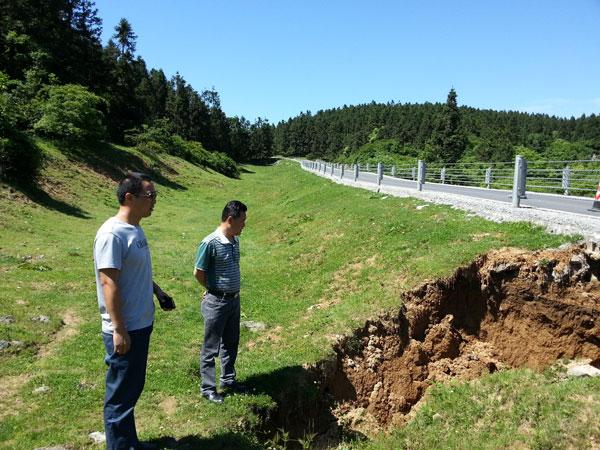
(575, 177)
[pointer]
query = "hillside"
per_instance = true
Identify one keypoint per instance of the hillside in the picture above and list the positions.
(318, 260)
(434, 131)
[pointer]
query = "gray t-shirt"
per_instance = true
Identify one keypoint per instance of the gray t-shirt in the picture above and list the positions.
(119, 245)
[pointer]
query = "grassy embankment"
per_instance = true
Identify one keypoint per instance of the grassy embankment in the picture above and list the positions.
(307, 242)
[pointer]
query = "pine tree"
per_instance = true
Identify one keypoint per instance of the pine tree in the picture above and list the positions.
(125, 38)
(448, 141)
(178, 105)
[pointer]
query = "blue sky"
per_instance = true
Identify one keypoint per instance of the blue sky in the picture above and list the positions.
(275, 59)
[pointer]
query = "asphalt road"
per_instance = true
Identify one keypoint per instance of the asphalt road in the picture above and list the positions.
(566, 204)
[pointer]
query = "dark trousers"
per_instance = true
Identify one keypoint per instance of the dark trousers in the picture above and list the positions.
(125, 379)
(221, 338)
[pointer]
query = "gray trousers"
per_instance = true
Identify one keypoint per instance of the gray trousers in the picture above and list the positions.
(221, 338)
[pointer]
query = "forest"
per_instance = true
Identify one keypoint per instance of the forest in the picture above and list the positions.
(435, 132)
(58, 82)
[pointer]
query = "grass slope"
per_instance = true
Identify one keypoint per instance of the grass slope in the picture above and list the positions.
(317, 260)
(511, 409)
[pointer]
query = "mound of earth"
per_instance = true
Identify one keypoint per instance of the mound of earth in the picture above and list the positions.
(509, 308)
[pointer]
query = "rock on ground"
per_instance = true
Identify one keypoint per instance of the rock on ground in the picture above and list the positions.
(583, 370)
(98, 437)
(253, 326)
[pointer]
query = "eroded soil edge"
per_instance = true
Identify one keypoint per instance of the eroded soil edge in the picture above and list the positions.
(509, 308)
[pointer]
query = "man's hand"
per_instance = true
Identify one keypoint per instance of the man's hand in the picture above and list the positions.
(200, 276)
(165, 300)
(121, 341)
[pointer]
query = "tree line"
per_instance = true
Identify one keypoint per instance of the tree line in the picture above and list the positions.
(58, 80)
(435, 132)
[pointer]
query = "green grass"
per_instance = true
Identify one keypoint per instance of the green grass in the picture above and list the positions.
(511, 409)
(307, 242)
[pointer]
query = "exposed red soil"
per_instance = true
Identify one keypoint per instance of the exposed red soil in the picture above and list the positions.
(509, 308)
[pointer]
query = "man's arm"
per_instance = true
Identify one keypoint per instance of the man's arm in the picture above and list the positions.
(112, 299)
(200, 276)
(165, 300)
(203, 259)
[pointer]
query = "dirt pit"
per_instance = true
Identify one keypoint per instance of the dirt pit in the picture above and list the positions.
(509, 308)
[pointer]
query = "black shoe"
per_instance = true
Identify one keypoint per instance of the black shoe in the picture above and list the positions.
(235, 388)
(213, 397)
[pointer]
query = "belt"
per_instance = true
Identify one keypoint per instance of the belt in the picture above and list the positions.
(225, 295)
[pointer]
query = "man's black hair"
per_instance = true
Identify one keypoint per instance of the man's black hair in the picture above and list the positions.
(132, 183)
(233, 209)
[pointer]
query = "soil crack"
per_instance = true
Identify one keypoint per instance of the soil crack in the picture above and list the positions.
(508, 308)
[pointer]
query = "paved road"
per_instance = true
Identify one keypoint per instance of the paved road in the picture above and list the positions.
(568, 205)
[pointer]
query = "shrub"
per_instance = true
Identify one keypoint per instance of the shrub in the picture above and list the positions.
(160, 132)
(8, 114)
(386, 151)
(177, 146)
(72, 113)
(19, 158)
(219, 162)
(159, 138)
(150, 148)
(562, 150)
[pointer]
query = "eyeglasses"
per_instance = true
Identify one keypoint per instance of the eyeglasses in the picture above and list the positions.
(148, 194)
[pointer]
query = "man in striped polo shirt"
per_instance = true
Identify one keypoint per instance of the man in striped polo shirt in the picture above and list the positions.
(218, 270)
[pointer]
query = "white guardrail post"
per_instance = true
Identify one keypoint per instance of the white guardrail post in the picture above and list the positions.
(421, 175)
(516, 198)
(342, 171)
(443, 175)
(488, 177)
(566, 179)
(523, 179)
(394, 171)
(379, 173)
(356, 171)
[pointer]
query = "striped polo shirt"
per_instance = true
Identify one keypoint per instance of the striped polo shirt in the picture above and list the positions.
(220, 259)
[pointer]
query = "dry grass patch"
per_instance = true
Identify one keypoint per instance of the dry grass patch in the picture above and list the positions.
(43, 286)
(10, 401)
(69, 329)
(271, 336)
(307, 260)
(169, 405)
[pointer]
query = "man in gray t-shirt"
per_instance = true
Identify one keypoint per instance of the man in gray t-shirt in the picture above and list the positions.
(125, 297)
(123, 247)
